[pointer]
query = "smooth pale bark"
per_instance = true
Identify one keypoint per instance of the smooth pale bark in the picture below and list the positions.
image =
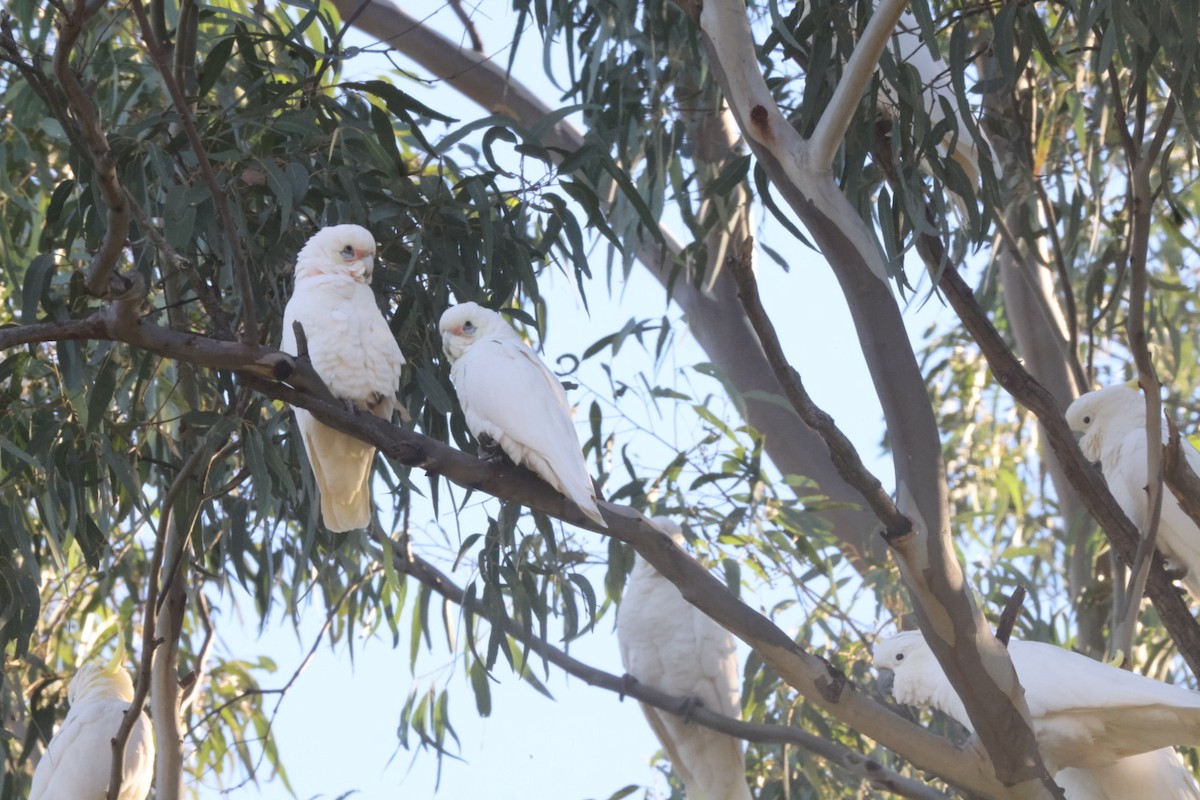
(978, 665)
(714, 316)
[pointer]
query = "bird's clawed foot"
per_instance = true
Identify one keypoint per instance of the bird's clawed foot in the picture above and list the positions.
(1177, 570)
(490, 450)
(687, 707)
(627, 684)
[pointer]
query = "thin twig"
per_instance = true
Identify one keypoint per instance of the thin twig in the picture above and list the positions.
(856, 763)
(1008, 617)
(841, 450)
(233, 235)
(79, 100)
(468, 25)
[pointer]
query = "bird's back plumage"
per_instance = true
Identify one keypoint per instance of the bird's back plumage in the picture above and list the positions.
(510, 396)
(670, 645)
(1085, 713)
(77, 762)
(354, 352)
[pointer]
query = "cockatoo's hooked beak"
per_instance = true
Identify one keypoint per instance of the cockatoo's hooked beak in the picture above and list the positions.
(886, 680)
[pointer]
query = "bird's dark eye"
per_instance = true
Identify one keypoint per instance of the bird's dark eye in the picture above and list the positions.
(899, 656)
(468, 327)
(348, 253)
(1087, 420)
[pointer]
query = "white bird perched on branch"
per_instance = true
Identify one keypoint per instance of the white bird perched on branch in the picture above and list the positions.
(78, 763)
(510, 397)
(908, 47)
(355, 354)
(1086, 714)
(1111, 424)
(670, 645)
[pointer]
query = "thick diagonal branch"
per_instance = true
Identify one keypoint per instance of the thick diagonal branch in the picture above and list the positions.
(855, 763)
(976, 664)
(819, 681)
(714, 315)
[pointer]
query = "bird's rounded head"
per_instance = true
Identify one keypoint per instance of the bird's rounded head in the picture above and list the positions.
(1105, 414)
(338, 250)
(464, 324)
(94, 680)
(897, 660)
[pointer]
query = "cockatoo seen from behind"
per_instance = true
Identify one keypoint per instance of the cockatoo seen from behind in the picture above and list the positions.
(77, 764)
(670, 645)
(1085, 714)
(1111, 424)
(509, 396)
(353, 351)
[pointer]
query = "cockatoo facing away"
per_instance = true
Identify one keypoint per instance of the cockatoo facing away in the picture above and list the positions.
(508, 395)
(77, 763)
(1085, 714)
(1111, 424)
(670, 645)
(354, 352)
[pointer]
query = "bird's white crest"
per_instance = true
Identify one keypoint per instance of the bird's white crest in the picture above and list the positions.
(1111, 425)
(1085, 713)
(508, 395)
(670, 645)
(77, 762)
(353, 350)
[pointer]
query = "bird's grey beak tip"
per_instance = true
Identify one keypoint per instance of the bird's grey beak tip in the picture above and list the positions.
(885, 680)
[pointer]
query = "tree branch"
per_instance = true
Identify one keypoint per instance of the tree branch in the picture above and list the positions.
(715, 318)
(855, 763)
(841, 449)
(946, 610)
(79, 101)
(823, 684)
(238, 259)
(1181, 479)
(831, 129)
(1085, 479)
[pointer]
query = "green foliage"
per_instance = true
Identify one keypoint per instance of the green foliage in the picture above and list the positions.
(100, 443)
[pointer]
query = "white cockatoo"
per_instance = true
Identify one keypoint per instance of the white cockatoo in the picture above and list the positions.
(1160, 774)
(908, 47)
(78, 762)
(354, 352)
(509, 396)
(670, 645)
(1085, 714)
(1111, 424)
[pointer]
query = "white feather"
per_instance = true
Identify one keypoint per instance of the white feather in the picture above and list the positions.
(1112, 424)
(1159, 774)
(77, 763)
(1085, 713)
(509, 395)
(670, 645)
(909, 48)
(354, 352)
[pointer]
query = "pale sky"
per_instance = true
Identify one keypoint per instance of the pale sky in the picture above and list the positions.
(337, 728)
